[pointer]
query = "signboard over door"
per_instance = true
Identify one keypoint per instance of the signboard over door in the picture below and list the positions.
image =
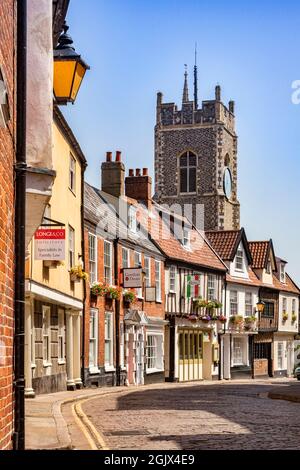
(132, 277)
(49, 244)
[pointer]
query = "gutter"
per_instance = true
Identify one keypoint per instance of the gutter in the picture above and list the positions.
(20, 205)
(83, 167)
(117, 314)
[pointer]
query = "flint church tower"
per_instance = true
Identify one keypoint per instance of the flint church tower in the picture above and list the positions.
(196, 157)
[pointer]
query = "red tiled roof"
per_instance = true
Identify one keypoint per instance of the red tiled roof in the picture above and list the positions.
(288, 286)
(259, 252)
(200, 252)
(224, 242)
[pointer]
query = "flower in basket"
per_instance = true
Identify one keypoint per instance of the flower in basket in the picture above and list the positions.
(113, 292)
(99, 288)
(222, 318)
(217, 304)
(285, 316)
(129, 296)
(249, 322)
(192, 317)
(236, 319)
(206, 318)
(294, 317)
(200, 303)
(79, 273)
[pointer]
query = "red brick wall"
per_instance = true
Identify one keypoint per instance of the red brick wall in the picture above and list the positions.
(7, 30)
(152, 309)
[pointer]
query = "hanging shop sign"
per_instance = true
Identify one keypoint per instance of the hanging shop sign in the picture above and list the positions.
(132, 277)
(49, 244)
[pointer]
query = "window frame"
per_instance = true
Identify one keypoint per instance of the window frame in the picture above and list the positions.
(280, 358)
(94, 262)
(239, 260)
(109, 363)
(125, 250)
(172, 279)
(110, 267)
(61, 336)
(209, 288)
(46, 332)
(132, 219)
(234, 302)
(147, 277)
(93, 367)
(284, 305)
(187, 169)
(186, 238)
(237, 339)
(247, 304)
(138, 263)
(155, 360)
(71, 246)
(158, 289)
(72, 174)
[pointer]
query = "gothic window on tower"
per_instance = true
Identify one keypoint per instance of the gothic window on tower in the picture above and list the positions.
(188, 165)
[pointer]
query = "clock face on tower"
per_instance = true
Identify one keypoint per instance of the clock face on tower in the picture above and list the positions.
(227, 183)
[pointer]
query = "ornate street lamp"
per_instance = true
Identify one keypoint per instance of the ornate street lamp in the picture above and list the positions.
(260, 306)
(69, 69)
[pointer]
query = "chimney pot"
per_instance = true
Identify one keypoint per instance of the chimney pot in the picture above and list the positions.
(108, 156)
(138, 172)
(131, 172)
(145, 171)
(118, 156)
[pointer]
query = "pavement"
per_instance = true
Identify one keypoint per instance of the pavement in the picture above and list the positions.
(45, 424)
(78, 420)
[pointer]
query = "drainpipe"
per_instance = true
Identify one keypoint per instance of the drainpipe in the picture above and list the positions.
(220, 336)
(117, 314)
(83, 168)
(20, 204)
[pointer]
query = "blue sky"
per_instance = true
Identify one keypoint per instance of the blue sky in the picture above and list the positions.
(136, 48)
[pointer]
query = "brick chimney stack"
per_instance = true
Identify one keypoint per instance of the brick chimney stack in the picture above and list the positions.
(139, 187)
(112, 175)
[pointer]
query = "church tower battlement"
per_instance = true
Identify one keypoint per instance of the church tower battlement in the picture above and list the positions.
(196, 157)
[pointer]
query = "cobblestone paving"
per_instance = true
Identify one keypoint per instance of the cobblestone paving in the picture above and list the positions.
(235, 415)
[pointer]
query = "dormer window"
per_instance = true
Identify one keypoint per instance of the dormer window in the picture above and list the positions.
(282, 272)
(132, 219)
(269, 267)
(239, 260)
(186, 238)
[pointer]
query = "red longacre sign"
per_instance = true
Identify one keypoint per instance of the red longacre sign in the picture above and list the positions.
(49, 244)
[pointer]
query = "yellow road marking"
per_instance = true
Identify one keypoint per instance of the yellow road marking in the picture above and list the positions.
(93, 437)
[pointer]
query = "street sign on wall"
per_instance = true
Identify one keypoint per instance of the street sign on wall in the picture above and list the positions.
(150, 294)
(49, 244)
(132, 277)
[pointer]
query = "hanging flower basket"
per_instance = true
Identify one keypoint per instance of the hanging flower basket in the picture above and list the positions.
(77, 273)
(113, 293)
(294, 318)
(99, 289)
(129, 296)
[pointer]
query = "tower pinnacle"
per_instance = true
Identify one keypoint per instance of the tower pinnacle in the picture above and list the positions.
(185, 95)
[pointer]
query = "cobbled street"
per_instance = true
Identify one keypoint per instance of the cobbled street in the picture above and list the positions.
(235, 415)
